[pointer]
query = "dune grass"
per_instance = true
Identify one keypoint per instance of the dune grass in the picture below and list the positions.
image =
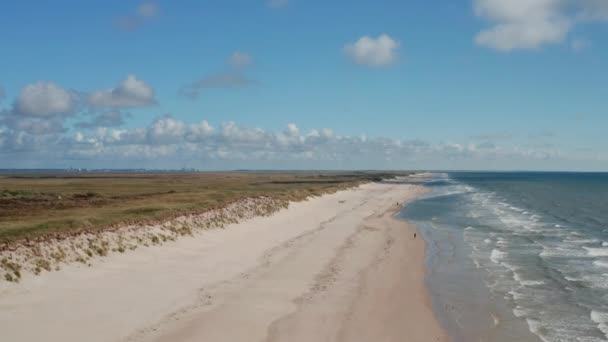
(39, 206)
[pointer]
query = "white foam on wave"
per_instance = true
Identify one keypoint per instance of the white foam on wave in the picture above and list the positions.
(601, 318)
(562, 251)
(519, 312)
(510, 266)
(449, 191)
(580, 241)
(517, 296)
(596, 281)
(535, 328)
(496, 256)
(573, 279)
(532, 282)
(601, 263)
(517, 277)
(488, 241)
(605, 244)
(597, 252)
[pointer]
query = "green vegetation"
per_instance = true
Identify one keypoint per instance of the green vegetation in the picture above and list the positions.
(56, 206)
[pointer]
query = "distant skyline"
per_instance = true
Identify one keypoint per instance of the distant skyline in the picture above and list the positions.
(294, 84)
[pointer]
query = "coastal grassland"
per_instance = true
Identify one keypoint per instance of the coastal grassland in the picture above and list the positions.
(38, 206)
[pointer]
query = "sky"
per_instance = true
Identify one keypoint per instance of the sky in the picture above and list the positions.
(304, 84)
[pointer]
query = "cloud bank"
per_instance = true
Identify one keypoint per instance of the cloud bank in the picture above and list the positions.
(169, 143)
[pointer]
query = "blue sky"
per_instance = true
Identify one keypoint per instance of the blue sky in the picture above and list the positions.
(466, 84)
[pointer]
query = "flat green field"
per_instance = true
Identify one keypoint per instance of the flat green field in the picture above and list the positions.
(34, 206)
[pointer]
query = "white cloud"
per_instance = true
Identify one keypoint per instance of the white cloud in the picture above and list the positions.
(240, 59)
(374, 52)
(41, 108)
(171, 131)
(131, 92)
(44, 99)
(167, 130)
(531, 24)
(234, 134)
(292, 129)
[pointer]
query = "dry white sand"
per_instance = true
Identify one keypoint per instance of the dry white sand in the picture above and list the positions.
(334, 268)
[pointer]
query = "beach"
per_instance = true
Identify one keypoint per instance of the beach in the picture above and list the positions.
(337, 267)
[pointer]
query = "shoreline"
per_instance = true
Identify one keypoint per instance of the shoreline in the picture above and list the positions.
(463, 303)
(311, 272)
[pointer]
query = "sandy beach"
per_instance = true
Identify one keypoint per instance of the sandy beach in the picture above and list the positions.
(332, 268)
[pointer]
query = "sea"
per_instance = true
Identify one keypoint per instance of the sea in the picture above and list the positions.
(518, 256)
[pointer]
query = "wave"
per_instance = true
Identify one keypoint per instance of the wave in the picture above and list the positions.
(561, 251)
(537, 329)
(496, 256)
(580, 241)
(535, 259)
(597, 252)
(448, 193)
(600, 263)
(525, 282)
(601, 318)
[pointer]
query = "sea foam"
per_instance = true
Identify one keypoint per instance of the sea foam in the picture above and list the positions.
(600, 263)
(497, 256)
(601, 318)
(597, 252)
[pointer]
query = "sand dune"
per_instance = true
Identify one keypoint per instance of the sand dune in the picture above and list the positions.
(333, 268)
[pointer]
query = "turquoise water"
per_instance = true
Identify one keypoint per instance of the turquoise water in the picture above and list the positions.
(517, 256)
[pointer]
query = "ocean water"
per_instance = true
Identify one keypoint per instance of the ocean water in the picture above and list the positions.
(517, 256)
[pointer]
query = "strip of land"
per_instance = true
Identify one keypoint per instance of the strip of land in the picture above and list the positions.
(332, 268)
(39, 206)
